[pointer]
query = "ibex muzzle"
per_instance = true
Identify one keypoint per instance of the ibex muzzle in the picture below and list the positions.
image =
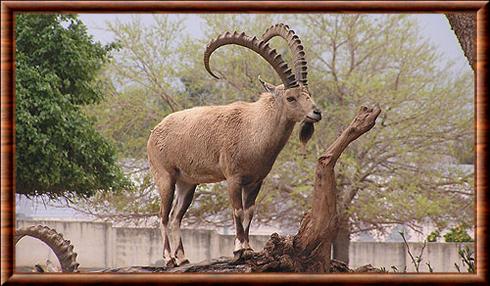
(314, 116)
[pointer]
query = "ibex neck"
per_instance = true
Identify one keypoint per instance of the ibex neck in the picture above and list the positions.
(276, 127)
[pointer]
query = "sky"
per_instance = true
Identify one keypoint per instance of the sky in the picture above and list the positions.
(435, 27)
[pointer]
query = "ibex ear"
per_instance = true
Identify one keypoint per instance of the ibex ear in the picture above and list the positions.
(267, 86)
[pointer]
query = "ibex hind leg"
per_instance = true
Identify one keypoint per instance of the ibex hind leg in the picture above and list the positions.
(184, 196)
(166, 185)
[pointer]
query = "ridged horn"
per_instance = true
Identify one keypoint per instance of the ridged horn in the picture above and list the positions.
(260, 47)
(296, 47)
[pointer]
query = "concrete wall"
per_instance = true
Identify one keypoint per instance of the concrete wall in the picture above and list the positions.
(102, 245)
(93, 243)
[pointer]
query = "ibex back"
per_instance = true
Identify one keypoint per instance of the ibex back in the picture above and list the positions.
(238, 142)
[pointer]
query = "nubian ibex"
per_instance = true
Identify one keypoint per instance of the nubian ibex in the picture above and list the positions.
(238, 142)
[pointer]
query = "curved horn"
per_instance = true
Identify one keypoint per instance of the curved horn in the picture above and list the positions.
(62, 248)
(258, 46)
(296, 47)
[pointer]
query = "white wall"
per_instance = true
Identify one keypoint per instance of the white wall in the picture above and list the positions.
(93, 243)
(101, 245)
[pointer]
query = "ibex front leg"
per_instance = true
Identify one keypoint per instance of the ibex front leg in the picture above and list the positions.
(243, 201)
(235, 192)
(249, 194)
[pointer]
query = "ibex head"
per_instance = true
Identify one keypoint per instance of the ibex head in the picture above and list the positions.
(293, 94)
(297, 102)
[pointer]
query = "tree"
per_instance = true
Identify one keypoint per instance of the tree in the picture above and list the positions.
(141, 87)
(464, 26)
(399, 173)
(58, 150)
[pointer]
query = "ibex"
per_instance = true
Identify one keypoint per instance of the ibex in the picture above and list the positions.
(238, 142)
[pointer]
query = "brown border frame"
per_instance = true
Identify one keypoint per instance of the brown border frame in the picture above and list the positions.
(8, 10)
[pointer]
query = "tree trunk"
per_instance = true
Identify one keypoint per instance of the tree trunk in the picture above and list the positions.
(341, 242)
(464, 26)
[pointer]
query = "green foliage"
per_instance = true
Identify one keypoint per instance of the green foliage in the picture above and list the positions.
(458, 234)
(433, 236)
(58, 151)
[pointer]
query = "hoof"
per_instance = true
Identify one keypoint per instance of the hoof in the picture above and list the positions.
(237, 254)
(184, 262)
(248, 253)
(243, 253)
(171, 263)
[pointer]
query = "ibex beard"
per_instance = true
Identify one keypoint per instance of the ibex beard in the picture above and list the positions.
(238, 142)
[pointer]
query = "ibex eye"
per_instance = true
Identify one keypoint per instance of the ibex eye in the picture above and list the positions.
(291, 99)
